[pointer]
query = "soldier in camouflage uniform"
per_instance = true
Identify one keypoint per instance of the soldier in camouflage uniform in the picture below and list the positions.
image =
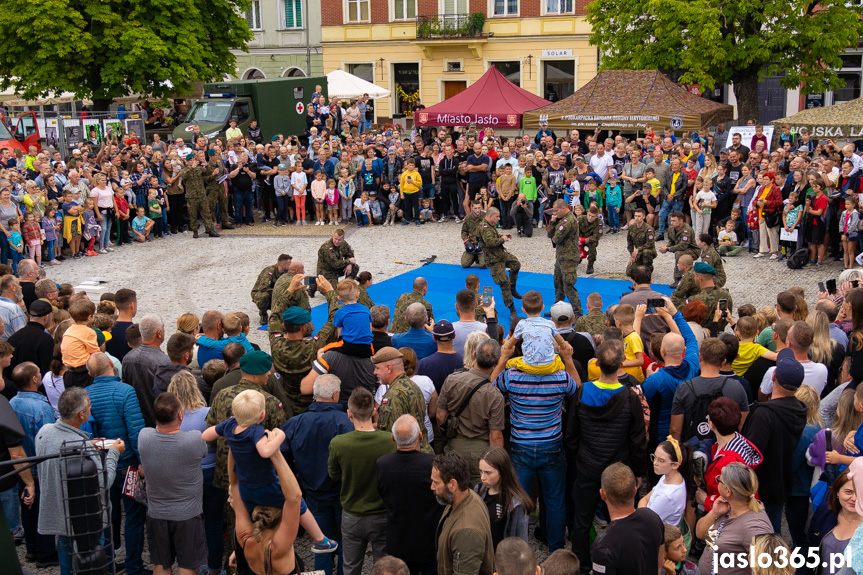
(403, 397)
(285, 296)
(710, 294)
(193, 176)
(681, 240)
(497, 258)
(336, 259)
(216, 190)
(590, 227)
(710, 256)
(563, 232)
(293, 352)
(595, 321)
(255, 367)
(470, 231)
(262, 292)
(687, 286)
(365, 299)
(640, 243)
(399, 323)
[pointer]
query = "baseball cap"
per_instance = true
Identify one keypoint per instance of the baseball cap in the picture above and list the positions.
(723, 151)
(443, 330)
(650, 147)
(40, 308)
(789, 372)
(561, 311)
(283, 167)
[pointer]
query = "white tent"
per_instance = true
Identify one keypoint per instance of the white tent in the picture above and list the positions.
(344, 85)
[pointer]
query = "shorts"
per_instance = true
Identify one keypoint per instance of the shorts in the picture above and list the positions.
(183, 541)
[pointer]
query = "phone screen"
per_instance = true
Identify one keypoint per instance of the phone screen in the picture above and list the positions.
(831, 287)
(723, 304)
(653, 303)
(821, 287)
(486, 295)
(855, 283)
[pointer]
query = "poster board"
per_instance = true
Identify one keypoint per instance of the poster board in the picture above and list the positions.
(93, 131)
(51, 128)
(72, 132)
(746, 133)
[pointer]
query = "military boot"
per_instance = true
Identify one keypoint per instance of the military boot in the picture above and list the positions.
(213, 234)
(515, 294)
(589, 269)
(264, 318)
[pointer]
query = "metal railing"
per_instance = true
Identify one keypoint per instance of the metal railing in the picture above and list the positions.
(448, 26)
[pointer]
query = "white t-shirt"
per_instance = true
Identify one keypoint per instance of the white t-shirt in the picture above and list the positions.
(815, 374)
(361, 206)
(668, 501)
(723, 235)
(600, 165)
(705, 197)
(299, 180)
(462, 330)
(426, 386)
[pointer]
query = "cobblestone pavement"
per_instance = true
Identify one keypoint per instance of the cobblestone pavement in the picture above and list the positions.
(179, 274)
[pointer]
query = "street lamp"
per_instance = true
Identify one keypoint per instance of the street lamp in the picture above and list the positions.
(529, 69)
(381, 66)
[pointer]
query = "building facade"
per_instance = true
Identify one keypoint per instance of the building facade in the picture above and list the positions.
(433, 49)
(286, 42)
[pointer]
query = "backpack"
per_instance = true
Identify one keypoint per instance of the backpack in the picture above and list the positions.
(695, 422)
(798, 259)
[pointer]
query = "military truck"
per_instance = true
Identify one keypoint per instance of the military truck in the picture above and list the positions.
(279, 105)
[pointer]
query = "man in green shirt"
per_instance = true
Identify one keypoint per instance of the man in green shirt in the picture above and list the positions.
(353, 462)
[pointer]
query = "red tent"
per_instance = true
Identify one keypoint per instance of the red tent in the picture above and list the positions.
(491, 101)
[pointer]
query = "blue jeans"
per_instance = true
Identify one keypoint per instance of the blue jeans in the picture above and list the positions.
(774, 513)
(328, 514)
(283, 202)
(16, 257)
(613, 217)
(214, 504)
(105, 238)
(243, 199)
(428, 190)
(136, 518)
(11, 507)
(668, 206)
(362, 218)
(547, 462)
(50, 249)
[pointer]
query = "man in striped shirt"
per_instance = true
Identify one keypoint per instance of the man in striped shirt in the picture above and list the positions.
(536, 447)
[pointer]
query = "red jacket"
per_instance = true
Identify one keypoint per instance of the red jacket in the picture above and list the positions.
(738, 450)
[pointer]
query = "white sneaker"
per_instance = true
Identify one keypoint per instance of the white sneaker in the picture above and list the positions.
(442, 219)
(625, 227)
(305, 223)
(103, 251)
(457, 220)
(758, 255)
(773, 256)
(110, 249)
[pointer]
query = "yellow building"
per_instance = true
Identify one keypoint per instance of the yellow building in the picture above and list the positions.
(435, 55)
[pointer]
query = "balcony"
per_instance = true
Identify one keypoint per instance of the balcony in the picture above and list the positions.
(451, 29)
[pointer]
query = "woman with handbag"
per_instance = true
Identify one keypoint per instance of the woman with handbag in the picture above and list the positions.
(768, 202)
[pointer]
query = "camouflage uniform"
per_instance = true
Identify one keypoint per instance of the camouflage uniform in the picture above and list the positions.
(564, 237)
(470, 230)
(365, 299)
(216, 191)
(711, 297)
(593, 231)
(293, 358)
(479, 313)
(403, 398)
(712, 257)
(497, 258)
(681, 242)
(399, 324)
(221, 410)
(196, 197)
(685, 289)
(641, 239)
(593, 323)
(262, 293)
(282, 299)
(332, 261)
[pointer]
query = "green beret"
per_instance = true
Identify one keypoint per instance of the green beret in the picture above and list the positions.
(190, 157)
(703, 268)
(296, 315)
(256, 362)
(211, 152)
(275, 139)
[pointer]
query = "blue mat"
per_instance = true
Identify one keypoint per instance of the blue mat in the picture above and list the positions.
(445, 280)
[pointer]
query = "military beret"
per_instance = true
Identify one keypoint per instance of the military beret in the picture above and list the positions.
(211, 152)
(101, 336)
(296, 315)
(386, 354)
(274, 139)
(190, 157)
(703, 268)
(256, 362)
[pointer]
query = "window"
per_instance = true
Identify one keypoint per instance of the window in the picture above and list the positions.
(558, 6)
(852, 68)
(364, 71)
(506, 7)
(405, 9)
(241, 111)
(293, 13)
(510, 69)
(358, 10)
(253, 15)
(455, 6)
(559, 79)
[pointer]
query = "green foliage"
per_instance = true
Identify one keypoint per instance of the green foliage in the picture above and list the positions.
(722, 41)
(104, 49)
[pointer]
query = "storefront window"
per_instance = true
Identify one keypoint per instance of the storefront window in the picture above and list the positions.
(510, 69)
(364, 71)
(559, 77)
(407, 80)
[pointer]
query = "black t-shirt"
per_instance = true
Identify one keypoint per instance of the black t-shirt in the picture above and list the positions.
(630, 545)
(118, 346)
(29, 291)
(492, 502)
(11, 435)
(734, 172)
(242, 182)
(424, 167)
(438, 366)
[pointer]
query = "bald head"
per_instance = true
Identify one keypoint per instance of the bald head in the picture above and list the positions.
(296, 268)
(99, 364)
(686, 260)
(420, 285)
(673, 346)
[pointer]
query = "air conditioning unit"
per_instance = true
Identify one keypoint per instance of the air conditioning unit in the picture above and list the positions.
(453, 66)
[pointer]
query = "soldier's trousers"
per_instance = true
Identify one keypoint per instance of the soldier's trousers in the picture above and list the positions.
(591, 252)
(264, 303)
(565, 277)
(333, 276)
(641, 260)
(200, 204)
(498, 274)
(219, 200)
(468, 260)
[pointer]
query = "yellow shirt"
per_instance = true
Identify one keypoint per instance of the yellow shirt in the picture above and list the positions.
(411, 187)
(655, 186)
(747, 353)
(233, 134)
(674, 177)
(632, 344)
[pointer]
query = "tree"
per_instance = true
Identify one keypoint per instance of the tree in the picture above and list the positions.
(729, 41)
(106, 49)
